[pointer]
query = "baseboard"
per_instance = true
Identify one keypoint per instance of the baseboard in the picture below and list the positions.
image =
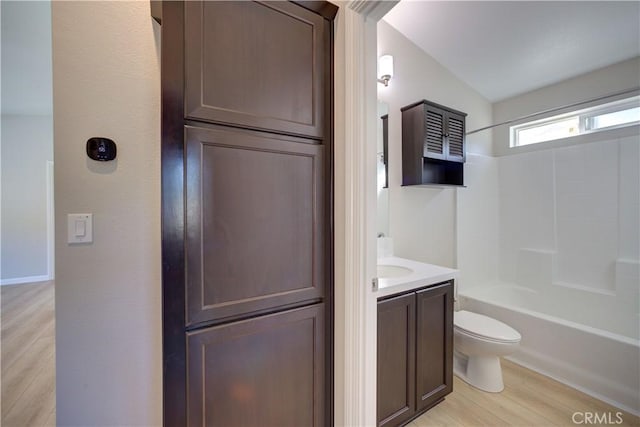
(29, 279)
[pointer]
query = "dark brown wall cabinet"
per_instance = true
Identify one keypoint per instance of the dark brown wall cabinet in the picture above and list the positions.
(415, 353)
(256, 64)
(247, 212)
(433, 144)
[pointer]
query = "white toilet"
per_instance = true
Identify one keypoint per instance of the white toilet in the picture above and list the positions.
(479, 341)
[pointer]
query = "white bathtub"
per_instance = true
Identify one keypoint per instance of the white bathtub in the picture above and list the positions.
(601, 363)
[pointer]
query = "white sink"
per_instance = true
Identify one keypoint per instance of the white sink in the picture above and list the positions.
(389, 271)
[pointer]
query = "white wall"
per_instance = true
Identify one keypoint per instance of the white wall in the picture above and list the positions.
(26, 140)
(108, 293)
(423, 220)
(27, 145)
(26, 57)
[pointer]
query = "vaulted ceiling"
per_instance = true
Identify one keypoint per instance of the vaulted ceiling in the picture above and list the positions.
(505, 48)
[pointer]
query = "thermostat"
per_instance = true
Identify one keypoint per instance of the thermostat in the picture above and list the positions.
(101, 149)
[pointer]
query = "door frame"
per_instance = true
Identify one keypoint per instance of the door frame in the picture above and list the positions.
(355, 210)
(170, 14)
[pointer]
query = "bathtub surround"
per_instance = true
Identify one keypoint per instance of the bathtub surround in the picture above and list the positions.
(477, 222)
(564, 257)
(569, 265)
(569, 231)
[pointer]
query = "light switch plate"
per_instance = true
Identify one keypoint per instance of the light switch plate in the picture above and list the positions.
(80, 228)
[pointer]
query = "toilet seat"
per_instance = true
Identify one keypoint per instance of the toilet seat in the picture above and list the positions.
(484, 327)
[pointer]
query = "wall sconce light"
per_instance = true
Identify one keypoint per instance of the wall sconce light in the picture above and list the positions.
(385, 69)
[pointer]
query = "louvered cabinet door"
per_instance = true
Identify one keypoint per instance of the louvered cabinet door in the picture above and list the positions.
(454, 137)
(434, 133)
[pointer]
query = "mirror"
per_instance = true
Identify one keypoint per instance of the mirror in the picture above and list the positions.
(382, 167)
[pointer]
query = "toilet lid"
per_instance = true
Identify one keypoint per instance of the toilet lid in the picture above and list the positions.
(484, 327)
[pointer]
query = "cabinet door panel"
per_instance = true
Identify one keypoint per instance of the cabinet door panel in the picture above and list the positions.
(434, 131)
(255, 64)
(396, 360)
(455, 138)
(255, 229)
(266, 371)
(434, 346)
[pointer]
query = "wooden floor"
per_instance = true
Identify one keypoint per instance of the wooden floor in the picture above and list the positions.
(529, 399)
(28, 379)
(27, 352)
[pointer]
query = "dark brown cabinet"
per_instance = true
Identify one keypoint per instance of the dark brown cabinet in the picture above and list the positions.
(265, 371)
(415, 353)
(433, 144)
(254, 238)
(247, 212)
(256, 64)
(396, 360)
(434, 345)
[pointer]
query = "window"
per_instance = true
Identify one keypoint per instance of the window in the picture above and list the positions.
(625, 112)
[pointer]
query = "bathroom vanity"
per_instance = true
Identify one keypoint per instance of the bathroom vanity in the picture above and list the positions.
(415, 338)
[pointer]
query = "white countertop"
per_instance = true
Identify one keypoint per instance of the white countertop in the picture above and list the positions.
(422, 275)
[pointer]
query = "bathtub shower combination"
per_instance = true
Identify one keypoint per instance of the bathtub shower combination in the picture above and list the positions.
(601, 363)
(567, 271)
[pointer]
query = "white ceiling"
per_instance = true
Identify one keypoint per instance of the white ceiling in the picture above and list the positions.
(503, 49)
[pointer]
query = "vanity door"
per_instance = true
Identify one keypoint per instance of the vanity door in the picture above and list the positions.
(434, 346)
(396, 360)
